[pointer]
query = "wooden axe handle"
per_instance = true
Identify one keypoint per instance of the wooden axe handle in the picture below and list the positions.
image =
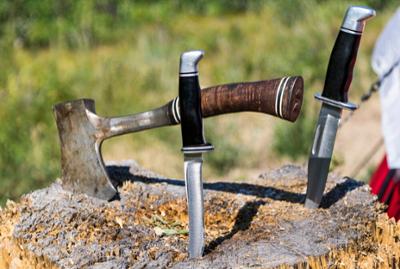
(280, 97)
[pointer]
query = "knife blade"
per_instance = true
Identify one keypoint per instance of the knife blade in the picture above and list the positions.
(321, 153)
(334, 99)
(194, 192)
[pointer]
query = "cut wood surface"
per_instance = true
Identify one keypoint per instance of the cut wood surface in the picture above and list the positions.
(257, 223)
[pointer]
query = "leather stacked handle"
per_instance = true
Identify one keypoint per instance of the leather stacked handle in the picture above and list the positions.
(282, 97)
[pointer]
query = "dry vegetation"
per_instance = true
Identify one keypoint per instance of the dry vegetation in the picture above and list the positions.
(260, 223)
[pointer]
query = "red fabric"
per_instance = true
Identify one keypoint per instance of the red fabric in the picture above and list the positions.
(379, 176)
(394, 204)
(377, 180)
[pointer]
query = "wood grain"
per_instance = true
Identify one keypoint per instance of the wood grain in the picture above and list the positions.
(281, 97)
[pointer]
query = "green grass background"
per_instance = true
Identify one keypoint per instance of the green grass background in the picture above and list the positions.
(125, 55)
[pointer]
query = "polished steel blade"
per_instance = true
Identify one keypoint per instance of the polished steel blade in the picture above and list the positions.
(194, 193)
(321, 154)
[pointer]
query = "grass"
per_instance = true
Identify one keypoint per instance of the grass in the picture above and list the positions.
(129, 64)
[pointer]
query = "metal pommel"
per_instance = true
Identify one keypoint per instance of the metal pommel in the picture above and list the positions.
(355, 18)
(189, 61)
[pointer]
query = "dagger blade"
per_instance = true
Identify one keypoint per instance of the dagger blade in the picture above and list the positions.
(321, 153)
(194, 194)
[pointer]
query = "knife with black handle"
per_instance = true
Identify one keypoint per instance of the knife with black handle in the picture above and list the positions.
(334, 99)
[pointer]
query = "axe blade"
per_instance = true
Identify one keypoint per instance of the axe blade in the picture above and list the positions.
(82, 165)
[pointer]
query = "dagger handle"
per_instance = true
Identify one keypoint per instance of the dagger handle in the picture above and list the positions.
(340, 68)
(190, 111)
(344, 53)
(190, 104)
(280, 97)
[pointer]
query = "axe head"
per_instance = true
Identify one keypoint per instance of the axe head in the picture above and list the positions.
(82, 165)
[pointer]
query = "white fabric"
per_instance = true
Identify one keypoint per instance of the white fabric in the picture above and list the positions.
(386, 54)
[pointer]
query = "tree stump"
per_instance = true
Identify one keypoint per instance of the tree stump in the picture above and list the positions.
(258, 223)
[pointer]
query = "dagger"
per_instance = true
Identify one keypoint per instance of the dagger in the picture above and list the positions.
(334, 99)
(194, 145)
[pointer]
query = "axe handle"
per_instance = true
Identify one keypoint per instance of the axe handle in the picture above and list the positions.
(280, 97)
(155, 118)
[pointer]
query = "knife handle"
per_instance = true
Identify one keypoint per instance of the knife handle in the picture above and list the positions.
(340, 68)
(343, 57)
(280, 97)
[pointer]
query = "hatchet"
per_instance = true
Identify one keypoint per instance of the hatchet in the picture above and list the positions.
(81, 131)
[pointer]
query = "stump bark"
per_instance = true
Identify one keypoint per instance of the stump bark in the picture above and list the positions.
(259, 223)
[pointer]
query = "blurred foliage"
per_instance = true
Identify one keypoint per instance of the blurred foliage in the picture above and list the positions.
(124, 54)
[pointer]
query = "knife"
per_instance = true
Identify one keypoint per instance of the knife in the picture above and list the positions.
(194, 145)
(334, 99)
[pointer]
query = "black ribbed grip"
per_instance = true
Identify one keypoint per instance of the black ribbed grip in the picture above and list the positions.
(340, 67)
(190, 111)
